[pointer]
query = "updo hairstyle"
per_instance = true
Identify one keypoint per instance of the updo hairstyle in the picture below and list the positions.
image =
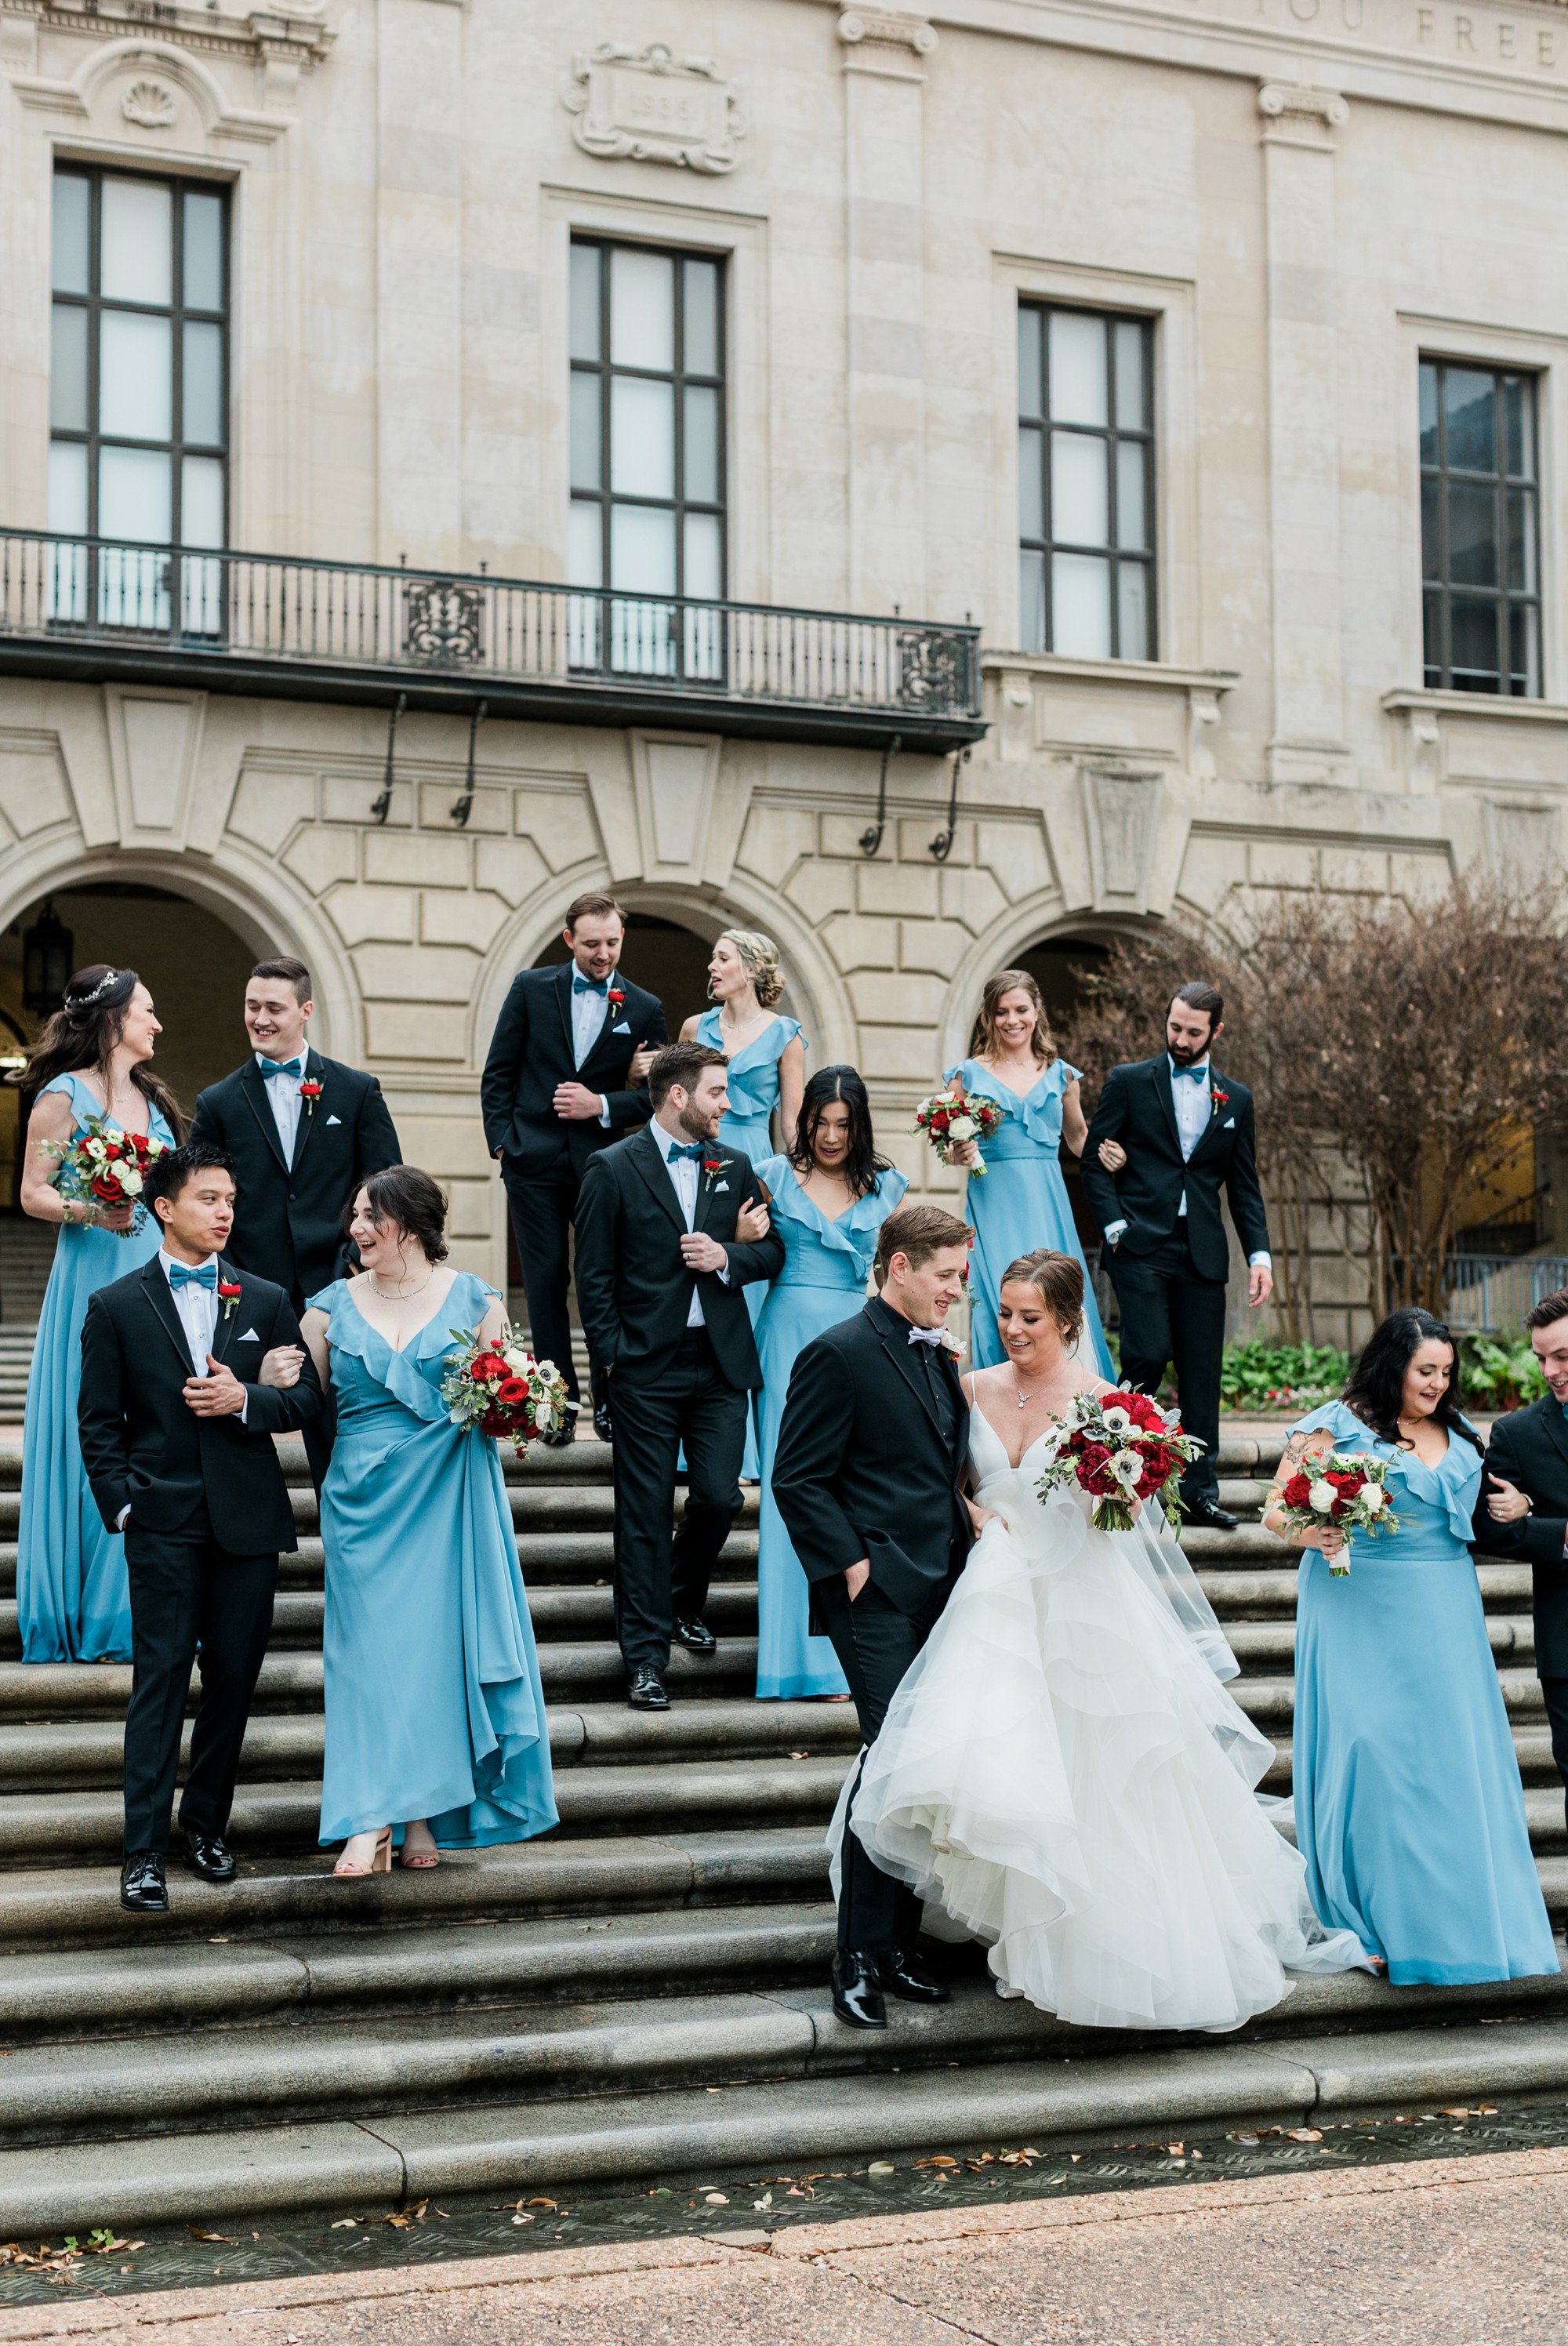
(1058, 1281)
(759, 959)
(410, 1201)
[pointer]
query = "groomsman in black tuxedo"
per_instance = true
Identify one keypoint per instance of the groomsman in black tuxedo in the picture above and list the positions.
(869, 1477)
(660, 1271)
(302, 1132)
(1188, 1133)
(555, 1089)
(177, 1433)
(1528, 1453)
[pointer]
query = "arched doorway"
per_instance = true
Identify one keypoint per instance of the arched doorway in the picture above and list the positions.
(194, 965)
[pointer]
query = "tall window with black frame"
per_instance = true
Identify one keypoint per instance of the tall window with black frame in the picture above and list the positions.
(1481, 574)
(1086, 484)
(648, 459)
(138, 397)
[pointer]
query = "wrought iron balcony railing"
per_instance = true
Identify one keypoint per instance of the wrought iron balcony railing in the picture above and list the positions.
(279, 625)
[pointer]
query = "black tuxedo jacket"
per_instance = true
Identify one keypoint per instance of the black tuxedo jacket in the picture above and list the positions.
(633, 1292)
(289, 1218)
(142, 1445)
(863, 1470)
(1530, 1448)
(1135, 1108)
(531, 1053)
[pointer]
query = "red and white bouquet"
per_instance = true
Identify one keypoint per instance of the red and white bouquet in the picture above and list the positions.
(105, 1166)
(953, 1116)
(1348, 1490)
(501, 1389)
(1118, 1447)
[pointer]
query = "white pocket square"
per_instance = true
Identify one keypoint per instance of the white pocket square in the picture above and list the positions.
(334, 1119)
(621, 1029)
(720, 1188)
(249, 1337)
(1229, 1124)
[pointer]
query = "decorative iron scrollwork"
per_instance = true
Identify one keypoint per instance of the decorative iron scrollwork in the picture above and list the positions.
(445, 623)
(935, 670)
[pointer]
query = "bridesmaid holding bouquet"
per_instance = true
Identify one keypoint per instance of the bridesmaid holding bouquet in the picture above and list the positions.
(1020, 1203)
(92, 1063)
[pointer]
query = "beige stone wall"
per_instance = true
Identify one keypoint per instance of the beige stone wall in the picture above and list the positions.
(1303, 195)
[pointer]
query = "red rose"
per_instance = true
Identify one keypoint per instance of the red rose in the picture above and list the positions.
(511, 1393)
(1147, 1413)
(230, 1287)
(112, 1148)
(106, 1187)
(1297, 1492)
(614, 996)
(487, 1367)
(711, 1164)
(494, 1426)
(309, 1090)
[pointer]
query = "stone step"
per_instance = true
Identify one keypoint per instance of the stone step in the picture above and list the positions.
(824, 2101)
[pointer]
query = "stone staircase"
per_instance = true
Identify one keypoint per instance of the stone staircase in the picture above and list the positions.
(26, 1251)
(642, 1992)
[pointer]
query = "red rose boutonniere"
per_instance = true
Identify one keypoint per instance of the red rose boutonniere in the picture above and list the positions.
(616, 999)
(712, 1166)
(230, 1290)
(310, 1092)
(1218, 1100)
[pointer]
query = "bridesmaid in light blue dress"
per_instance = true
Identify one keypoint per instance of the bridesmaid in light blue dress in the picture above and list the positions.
(831, 1239)
(72, 1601)
(435, 1727)
(1409, 1810)
(1020, 1202)
(767, 1055)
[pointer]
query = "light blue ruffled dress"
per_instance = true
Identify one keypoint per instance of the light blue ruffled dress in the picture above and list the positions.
(823, 1281)
(434, 1703)
(72, 1601)
(1409, 1810)
(1020, 1202)
(748, 1125)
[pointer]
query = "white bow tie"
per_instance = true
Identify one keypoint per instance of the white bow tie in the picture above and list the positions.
(932, 1336)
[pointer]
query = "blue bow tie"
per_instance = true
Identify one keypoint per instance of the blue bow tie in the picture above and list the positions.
(204, 1274)
(695, 1149)
(1193, 1074)
(270, 1067)
(599, 985)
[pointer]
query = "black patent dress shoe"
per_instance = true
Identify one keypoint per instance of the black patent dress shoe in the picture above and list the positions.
(905, 1976)
(1208, 1515)
(561, 1437)
(645, 1691)
(602, 1420)
(209, 1857)
(143, 1889)
(857, 1997)
(695, 1636)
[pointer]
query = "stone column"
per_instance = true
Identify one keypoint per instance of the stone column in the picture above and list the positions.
(419, 279)
(1308, 741)
(885, 191)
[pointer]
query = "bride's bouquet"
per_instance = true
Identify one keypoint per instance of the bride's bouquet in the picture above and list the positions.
(1118, 1447)
(105, 1166)
(501, 1389)
(1348, 1490)
(951, 1116)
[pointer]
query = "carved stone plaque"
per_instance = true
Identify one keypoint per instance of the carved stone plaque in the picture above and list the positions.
(652, 107)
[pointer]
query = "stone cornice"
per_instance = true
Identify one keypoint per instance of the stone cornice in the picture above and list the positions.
(295, 36)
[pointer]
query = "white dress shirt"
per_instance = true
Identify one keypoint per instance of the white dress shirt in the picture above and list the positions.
(1191, 1099)
(196, 1312)
(589, 1012)
(684, 1174)
(283, 1099)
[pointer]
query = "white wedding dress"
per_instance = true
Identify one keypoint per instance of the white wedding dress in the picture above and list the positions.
(1063, 1776)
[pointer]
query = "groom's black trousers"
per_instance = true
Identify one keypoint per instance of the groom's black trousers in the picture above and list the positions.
(185, 1591)
(682, 1400)
(875, 1644)
(1171, 1312)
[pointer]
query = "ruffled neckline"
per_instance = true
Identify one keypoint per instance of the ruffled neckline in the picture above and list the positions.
(1033, 1108)
(854, 1232)
(84, 1105)
(403, 1374)
(1451, 1485)
(771, 1043)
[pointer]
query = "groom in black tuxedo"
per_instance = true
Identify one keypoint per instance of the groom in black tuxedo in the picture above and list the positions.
(556, 1089)
(177, 1433)
(1529, 1453)
(1188, 1133)
(660, 1271)
(867, 1476)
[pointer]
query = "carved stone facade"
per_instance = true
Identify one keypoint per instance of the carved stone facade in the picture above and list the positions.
(1302, 196)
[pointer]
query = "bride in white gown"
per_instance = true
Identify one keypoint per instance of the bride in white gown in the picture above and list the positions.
(1062, 1774)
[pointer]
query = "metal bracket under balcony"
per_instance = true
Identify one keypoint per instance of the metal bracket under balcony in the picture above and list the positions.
(92, 610)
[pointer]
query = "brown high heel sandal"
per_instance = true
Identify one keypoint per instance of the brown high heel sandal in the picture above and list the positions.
(381, 1863)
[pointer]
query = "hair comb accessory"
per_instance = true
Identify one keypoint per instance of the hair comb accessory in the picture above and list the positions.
(105, 986)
